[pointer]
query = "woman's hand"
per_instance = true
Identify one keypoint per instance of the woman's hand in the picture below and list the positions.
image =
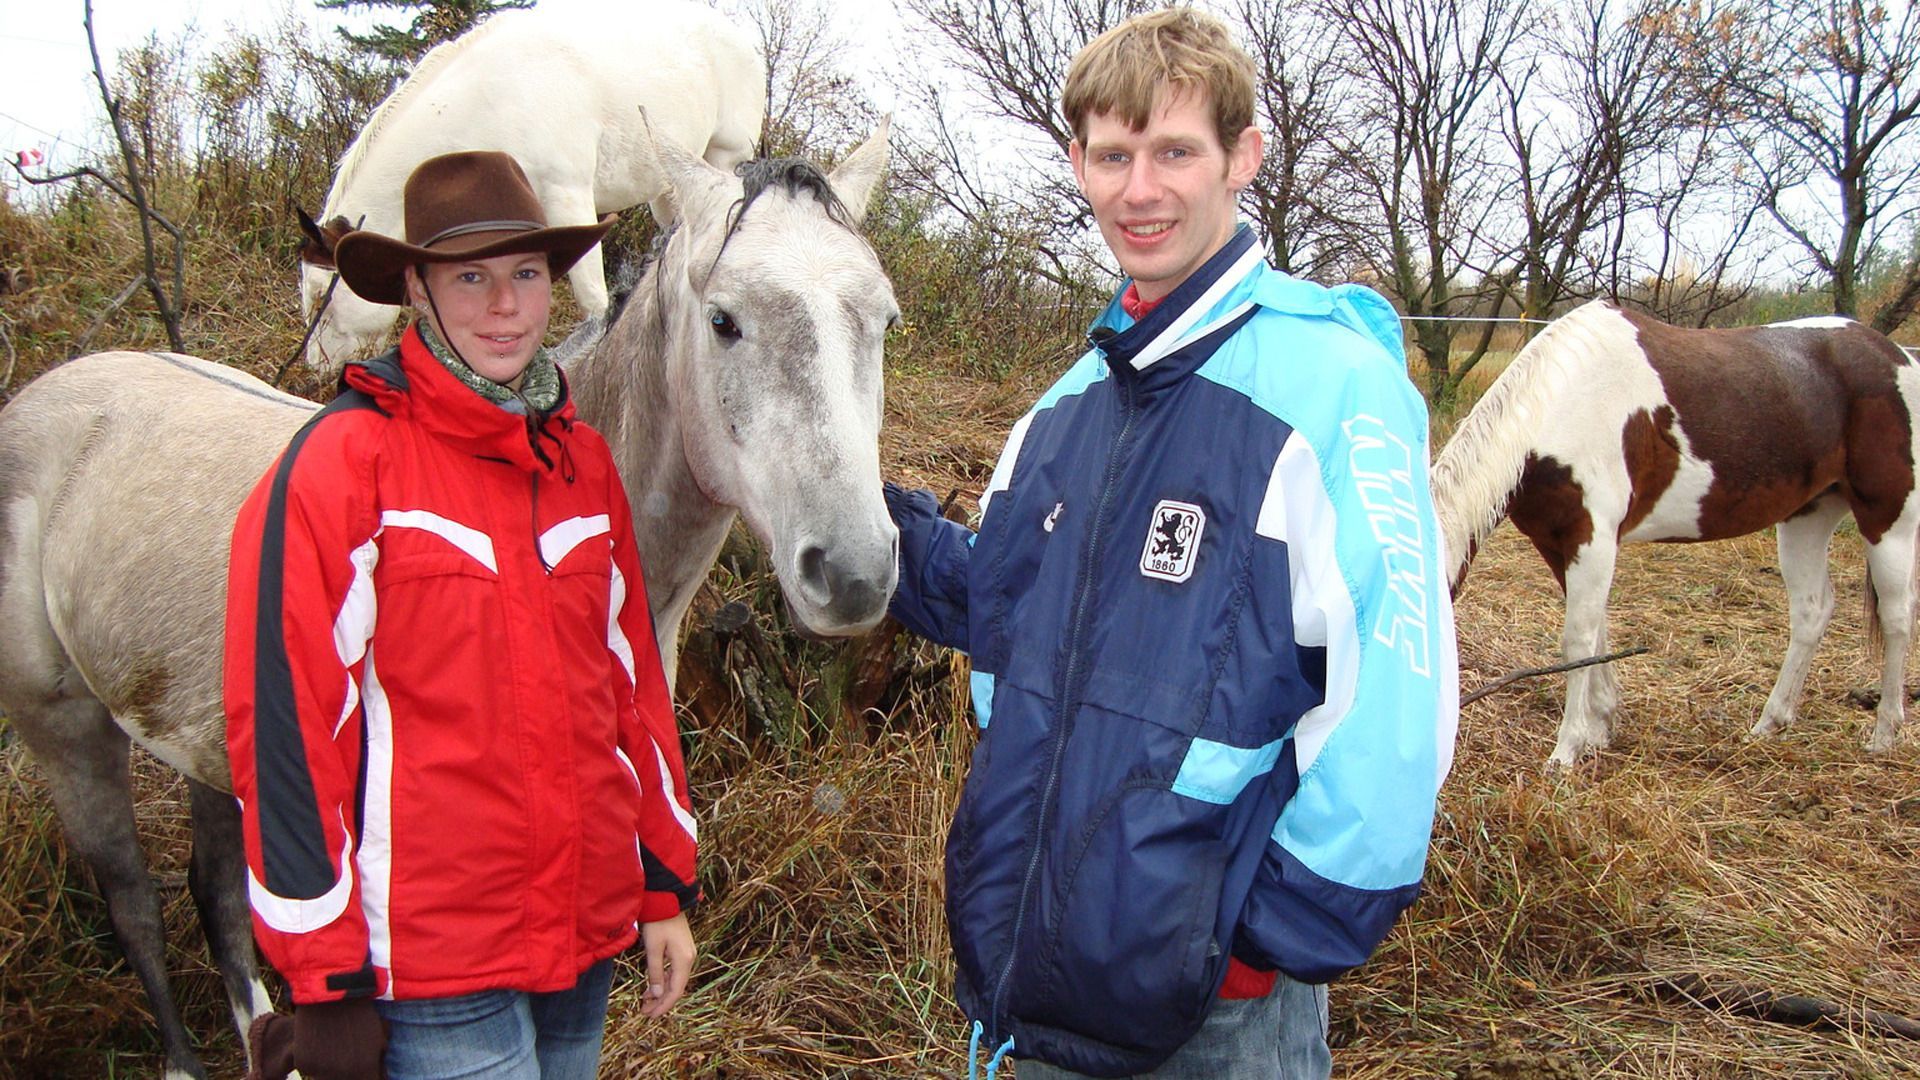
(669, 945)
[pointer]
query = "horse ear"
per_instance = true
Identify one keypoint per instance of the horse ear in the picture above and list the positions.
(856, 179)
(318, 249)
(691, 183)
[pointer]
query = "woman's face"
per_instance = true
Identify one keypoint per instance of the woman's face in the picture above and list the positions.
(492, 311)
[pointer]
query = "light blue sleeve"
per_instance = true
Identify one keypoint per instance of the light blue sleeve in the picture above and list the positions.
(1349, 498)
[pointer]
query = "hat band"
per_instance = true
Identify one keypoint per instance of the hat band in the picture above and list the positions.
(481, 226)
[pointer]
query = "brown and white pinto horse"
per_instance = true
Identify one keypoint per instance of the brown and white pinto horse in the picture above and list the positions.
(1612, 427)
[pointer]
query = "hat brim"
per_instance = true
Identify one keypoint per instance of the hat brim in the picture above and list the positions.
(374, 265)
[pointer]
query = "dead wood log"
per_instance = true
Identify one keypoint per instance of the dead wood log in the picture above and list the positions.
(871, 670)
(1748, 999)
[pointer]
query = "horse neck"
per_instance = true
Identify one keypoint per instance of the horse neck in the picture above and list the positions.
(1475, 476)
(362, 146)
(620, 388)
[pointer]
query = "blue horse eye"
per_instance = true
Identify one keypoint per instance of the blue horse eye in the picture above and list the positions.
(724, 326)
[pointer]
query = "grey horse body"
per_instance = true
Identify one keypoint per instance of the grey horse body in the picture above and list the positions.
(120, 475)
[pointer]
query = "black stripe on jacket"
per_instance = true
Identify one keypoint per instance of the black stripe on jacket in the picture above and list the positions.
(293, 849)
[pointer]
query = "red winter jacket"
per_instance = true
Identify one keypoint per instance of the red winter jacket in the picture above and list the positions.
(449, 731)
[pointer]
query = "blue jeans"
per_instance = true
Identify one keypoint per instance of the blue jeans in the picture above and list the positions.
(501, 1034)
(1282, 1036)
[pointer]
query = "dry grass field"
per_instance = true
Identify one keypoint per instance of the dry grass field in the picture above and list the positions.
(1566, 919)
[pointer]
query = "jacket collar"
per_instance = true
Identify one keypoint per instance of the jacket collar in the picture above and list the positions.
(1211, 295)
(410, 382)
(1182, 332)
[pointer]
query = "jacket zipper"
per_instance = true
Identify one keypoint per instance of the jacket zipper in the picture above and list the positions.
(534, 521)
(1069, 699)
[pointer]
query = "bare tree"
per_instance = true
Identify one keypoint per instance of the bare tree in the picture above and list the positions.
(133, 186)
(1015, 52)
(1826, 92)
(814, 104)
(1420, 139)
(1582, 118)
(1682, 247)
(1294, 197)
(1009, 61)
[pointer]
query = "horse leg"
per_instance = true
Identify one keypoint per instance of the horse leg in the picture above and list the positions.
(588, 276)
(1603, 685)
(1803, 541)
(1591, 693)
(1891, 565)
(589, 280)
(218, 881)
(84, 756)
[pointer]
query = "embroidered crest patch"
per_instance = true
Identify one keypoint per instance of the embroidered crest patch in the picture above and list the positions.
(1173, 538)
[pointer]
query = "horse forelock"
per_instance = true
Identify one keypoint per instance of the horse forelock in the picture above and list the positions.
(1483, 461)
(797, 177)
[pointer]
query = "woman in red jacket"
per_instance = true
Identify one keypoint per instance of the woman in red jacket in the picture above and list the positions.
(446, 716)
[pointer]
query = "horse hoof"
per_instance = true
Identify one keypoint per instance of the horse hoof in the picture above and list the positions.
(1563, 758)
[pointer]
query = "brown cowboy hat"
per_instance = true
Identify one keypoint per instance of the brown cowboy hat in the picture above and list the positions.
(473, 204)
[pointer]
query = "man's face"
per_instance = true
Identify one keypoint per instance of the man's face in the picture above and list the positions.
(1164, 195)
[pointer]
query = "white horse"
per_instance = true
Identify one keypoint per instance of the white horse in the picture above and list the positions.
(561, 92)
(744, 372)
(1612, 427)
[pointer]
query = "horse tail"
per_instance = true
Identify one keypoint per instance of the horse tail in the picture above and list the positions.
(1475, 476)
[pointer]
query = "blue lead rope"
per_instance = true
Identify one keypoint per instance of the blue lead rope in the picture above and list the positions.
(973, 1054)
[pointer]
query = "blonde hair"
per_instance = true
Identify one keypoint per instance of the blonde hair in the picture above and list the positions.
(1124, 71)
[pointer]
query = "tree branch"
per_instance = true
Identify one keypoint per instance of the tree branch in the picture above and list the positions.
(1528, 673)
(80, 343)
(167, 305)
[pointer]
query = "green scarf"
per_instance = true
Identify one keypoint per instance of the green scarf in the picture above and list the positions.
(539, 387)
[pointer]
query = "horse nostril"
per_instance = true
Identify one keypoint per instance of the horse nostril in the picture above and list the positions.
(814, 568)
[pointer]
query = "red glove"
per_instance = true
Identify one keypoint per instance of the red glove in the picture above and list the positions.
(329, 1040)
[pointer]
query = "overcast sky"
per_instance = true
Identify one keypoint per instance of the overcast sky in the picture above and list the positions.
(48, 100)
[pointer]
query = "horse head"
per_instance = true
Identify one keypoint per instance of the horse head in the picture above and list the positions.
(781, 312)
(348, 322)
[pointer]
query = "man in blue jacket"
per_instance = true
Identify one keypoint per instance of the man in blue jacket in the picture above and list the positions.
(1213, 659)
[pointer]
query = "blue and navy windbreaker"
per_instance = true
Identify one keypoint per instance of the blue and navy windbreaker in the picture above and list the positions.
(1214, 666)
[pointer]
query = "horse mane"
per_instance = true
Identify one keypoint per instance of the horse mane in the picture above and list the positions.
(356, 154)
(1482, 462)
